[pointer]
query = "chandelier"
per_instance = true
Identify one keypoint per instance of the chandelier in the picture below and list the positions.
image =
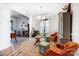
(41, 17)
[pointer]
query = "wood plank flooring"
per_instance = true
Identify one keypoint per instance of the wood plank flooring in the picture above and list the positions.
(25, 48)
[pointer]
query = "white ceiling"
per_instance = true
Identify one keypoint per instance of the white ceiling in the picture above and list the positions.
(35, 10)
(17, 15)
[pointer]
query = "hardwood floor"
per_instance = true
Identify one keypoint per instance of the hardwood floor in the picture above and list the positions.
(27, 48)
(6, 52)
(24, 47)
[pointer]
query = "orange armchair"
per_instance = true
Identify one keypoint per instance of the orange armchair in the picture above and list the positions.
(55, 50)
(53, 37)
(67, 49)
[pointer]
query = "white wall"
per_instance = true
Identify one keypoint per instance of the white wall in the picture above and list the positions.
(75, 24)
(35, 23)
(53, 24)
(4, 26)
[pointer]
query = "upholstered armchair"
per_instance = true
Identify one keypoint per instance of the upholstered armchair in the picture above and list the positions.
(53, 37)
(58, 49)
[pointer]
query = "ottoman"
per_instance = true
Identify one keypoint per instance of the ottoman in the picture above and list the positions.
(43, 46)
(47, 39)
